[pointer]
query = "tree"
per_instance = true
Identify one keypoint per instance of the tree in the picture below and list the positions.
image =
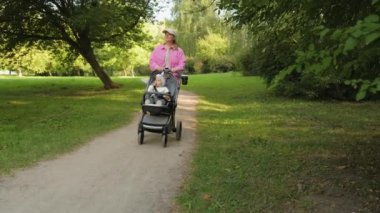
(315, 49)
(194, 20)
(199, 22)
(212, 49)
(82, 24)
(120, 59)
(7, 60)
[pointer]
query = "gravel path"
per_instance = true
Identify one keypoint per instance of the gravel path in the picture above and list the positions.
(111, 174)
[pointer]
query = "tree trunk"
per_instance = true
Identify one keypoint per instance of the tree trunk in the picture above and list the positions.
(107, 82)
(133, 71)
(87, 52)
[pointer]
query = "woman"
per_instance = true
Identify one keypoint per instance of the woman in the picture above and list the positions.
(168, 55)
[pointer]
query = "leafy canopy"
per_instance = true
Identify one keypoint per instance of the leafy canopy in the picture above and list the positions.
(71, 20)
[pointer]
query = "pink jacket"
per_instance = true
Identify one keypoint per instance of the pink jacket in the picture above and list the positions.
(176, 58)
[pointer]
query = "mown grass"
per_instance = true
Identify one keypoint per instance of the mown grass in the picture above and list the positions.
(41, 117)
(259, 153)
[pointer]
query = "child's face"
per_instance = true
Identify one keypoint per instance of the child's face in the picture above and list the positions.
(158, 82)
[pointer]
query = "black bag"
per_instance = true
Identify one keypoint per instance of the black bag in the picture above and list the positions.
(184, 79)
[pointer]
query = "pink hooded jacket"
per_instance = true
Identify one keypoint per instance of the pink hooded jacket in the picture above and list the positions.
(176, 59)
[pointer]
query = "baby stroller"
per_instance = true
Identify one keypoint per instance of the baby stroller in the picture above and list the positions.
(161, 118)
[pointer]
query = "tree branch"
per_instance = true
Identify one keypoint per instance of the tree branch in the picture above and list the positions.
(33, 36)
(133, 25)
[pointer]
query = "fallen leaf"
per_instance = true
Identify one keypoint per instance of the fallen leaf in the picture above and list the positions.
(206, 197)
(341, 167)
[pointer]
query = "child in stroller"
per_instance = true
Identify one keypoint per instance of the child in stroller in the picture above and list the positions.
(158, 86)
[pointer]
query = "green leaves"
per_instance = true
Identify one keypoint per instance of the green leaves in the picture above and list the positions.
(366, 87)
(326, 62)
(371, 37)
(372, 18)
(323, 33)
(341, 54)
(101, 21)
(312, 47)
(350, 44)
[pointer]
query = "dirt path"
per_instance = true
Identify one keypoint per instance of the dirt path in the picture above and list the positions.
(110, 174)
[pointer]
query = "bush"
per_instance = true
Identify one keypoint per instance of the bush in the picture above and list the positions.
(224, 65)
(313, 49)
(268, 57)
(142, 70)
(190, 63)
(344, 65)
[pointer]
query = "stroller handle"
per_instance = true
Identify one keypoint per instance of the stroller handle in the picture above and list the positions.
(167, 72)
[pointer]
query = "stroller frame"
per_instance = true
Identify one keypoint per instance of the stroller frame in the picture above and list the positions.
(161, 118)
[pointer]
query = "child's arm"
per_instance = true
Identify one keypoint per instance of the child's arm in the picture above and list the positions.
(150, 88)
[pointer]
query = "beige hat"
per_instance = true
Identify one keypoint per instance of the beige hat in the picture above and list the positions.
(170, 31)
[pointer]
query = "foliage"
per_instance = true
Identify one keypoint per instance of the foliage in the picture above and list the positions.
(61, 61)
(312, 48)
(80, 24)
(193, 21)
(211, 44)
(212, 49)
(57, 60)
(347, 56)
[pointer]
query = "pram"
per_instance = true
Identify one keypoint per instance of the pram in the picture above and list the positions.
(161, 118)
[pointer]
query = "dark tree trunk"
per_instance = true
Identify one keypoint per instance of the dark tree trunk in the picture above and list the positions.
(107, 82)
(86, 50)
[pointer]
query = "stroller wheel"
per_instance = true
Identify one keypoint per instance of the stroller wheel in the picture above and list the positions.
(178, 133)
(164, 139)
(140, 137)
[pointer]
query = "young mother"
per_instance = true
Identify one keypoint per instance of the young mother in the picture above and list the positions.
(168, 55)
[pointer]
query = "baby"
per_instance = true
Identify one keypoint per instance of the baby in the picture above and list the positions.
(158, 86)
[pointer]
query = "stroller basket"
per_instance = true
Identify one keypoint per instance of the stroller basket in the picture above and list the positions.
(156, 110)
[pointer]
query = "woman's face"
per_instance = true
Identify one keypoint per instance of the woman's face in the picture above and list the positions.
(169, 37)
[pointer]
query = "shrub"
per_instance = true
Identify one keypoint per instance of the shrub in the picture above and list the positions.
(344, 65)
(190, 63)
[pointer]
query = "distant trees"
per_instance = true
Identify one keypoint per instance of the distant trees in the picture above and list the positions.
(81, 24)
(209, 43)
(60, 61)
(213, 49)
(33, 60)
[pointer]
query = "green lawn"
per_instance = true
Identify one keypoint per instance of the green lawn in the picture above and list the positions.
(41, 117)
(259, 153)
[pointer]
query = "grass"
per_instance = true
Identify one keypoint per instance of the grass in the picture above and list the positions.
(257, 152)
(42, 117)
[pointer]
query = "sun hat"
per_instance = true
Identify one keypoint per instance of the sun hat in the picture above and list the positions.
(170, 31)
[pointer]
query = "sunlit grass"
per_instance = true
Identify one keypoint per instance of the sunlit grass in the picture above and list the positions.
(41, 117)
(257, 152)
(206, 105)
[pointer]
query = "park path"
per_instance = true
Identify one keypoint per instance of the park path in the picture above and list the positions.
(112, 173)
